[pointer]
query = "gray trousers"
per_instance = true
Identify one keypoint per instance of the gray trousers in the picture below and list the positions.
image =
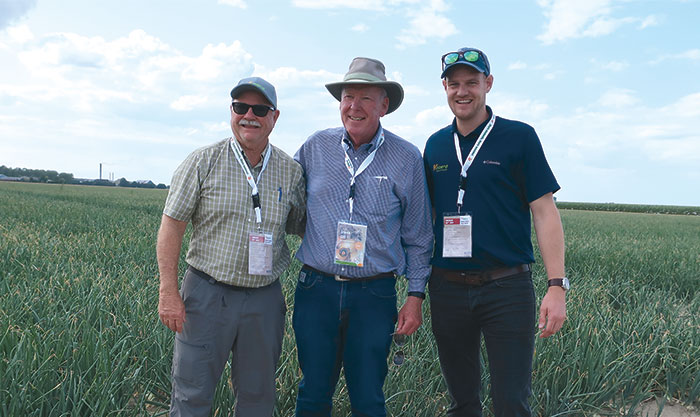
(244, 323)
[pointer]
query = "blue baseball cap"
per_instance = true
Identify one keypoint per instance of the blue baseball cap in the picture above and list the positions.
(256, 84)
(466, 56)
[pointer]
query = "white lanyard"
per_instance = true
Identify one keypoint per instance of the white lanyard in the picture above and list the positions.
(238, 152)
(363, 166)
(470, 158)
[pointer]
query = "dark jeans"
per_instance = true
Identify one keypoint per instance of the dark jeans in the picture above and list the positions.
(504, 312)
(345, 324)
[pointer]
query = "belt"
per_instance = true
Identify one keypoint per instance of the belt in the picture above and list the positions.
(212, 280)
(343, 279)
(480, 277)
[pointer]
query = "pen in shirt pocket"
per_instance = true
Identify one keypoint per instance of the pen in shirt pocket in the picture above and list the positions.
(280, 194)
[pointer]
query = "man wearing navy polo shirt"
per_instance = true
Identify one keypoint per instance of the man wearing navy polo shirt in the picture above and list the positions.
(485, 175)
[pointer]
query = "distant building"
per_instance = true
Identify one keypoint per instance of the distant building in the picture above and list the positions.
(4, 177)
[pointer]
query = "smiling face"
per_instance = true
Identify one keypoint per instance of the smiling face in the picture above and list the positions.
(252, 131)
(466, 90)
(360, 110)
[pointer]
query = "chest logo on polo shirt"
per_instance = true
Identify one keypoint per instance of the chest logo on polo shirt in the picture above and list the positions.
(440, 168)
(487, 162)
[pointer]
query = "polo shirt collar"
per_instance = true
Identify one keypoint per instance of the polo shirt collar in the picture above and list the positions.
(478, 129)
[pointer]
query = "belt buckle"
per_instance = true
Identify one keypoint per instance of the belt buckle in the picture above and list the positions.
(472, 279)
(341, 279)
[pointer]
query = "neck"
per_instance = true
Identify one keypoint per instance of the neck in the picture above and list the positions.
(357, 142)
(253, 151)
(466, 126)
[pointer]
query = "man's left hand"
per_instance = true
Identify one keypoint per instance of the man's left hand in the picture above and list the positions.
(552, 311)
(410, 316)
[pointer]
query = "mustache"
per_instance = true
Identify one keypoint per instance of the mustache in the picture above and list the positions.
(245, 122)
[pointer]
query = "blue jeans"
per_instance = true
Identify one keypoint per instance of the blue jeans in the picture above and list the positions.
(345, 324)
(504, 312)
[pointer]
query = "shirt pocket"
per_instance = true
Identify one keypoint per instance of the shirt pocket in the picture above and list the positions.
(379, 198)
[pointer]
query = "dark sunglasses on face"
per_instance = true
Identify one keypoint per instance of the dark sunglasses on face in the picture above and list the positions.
(452, 57)
(259, 110)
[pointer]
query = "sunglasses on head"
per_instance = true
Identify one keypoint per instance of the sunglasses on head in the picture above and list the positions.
(259, 110)
(452, 57)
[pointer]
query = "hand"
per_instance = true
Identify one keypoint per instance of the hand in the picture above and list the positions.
(410, 316)
(171, 310)
(552, 311)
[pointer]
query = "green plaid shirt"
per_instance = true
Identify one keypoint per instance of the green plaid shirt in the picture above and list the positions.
(210, 190)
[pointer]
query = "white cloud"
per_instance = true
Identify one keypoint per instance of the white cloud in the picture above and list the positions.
(577, 19)
(691, 54)
(517, 65)
(188, 102)
(13, 10)
(19, 34)
(235, 3)
(138, 68)
(618, 99)
(513, 107)
(615, 66)
(649, 21)
(426, 23)
(334, 4)
(216, 59)
(360, 27)
(285, 77)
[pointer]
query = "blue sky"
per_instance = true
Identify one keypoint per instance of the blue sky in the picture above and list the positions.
(611, 86)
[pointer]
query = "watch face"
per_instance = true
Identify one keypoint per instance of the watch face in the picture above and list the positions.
(565, 283)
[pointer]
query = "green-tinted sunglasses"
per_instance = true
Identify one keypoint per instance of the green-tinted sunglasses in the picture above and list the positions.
(452, 57)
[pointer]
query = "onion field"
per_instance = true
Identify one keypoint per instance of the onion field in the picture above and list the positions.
(80, 335)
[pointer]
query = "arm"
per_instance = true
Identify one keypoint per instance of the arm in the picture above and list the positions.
(296, 221)
(171, 308)
(417, 239)
(550, 238)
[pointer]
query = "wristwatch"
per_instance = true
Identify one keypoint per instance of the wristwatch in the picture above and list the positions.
(559, 282)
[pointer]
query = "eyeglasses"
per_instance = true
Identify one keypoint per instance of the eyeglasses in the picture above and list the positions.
(452, 57)
(259, 110)
(399, 340)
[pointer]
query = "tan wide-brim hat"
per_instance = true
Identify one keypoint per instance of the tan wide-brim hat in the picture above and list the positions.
(368, 71)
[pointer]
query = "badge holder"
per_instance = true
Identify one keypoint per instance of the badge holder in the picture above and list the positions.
(350, 244)
(457, 235)
(259, 253)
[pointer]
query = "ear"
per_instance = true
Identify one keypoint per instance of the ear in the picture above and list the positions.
(489, 82)
(444, 83)
(275, 115)
(385, 105)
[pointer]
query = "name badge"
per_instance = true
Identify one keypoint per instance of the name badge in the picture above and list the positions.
(350, 244)
(457, 236)
(259, 253)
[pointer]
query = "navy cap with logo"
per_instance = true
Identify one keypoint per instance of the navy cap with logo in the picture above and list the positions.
(256, 84)
(466, 56)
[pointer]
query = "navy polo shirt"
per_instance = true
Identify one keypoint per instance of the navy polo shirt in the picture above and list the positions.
(509, 172)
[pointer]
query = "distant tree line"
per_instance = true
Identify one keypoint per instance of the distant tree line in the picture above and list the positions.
(49, 176)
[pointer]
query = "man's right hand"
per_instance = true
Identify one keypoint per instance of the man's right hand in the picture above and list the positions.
(171, 310)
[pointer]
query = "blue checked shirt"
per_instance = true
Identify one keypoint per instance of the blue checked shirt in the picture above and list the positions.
(391, 198)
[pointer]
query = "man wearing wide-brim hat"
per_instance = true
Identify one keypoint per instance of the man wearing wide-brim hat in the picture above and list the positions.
(368, 222)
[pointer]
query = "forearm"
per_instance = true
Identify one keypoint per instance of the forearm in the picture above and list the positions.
(550, 238)
(168, 248)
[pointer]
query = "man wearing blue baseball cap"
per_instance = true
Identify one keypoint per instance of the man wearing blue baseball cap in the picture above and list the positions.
(242, 196)
(486, 176)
